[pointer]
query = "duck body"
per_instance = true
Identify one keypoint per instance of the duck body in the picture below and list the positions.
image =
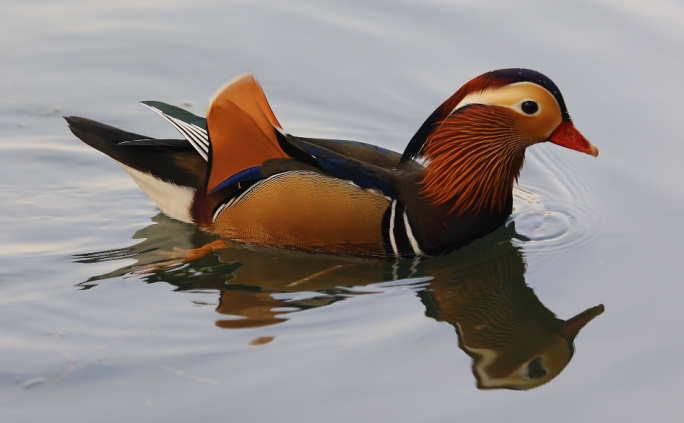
(238, 174)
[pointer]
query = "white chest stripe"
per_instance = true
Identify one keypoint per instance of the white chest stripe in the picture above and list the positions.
(414, 244)
(391, 229)
(401, 238)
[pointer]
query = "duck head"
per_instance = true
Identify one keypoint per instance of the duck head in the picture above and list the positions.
(473, 145)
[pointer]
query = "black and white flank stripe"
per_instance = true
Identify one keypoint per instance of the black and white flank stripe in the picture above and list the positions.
(230, 201)
(397, 233)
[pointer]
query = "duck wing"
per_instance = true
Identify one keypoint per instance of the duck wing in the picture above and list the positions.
(242, 140)
(366, 165)
(193, 127)
(242, 132)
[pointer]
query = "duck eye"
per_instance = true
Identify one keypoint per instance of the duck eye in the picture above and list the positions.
(535, 369)
(529, 107)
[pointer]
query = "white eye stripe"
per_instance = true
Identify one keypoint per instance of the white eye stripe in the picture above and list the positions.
(517, 107)
(511, 96)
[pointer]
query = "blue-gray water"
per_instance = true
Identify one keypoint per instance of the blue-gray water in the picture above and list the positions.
(356, 343)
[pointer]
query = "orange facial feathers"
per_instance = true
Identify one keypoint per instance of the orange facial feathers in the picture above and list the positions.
(474, 159)
(241, 130)
(487, 81)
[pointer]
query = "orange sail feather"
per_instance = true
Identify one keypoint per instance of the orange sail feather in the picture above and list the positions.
(241, 129)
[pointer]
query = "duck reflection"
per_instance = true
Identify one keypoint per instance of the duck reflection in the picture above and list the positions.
(514, 340)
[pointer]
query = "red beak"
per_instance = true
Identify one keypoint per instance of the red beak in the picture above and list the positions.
(567, 136)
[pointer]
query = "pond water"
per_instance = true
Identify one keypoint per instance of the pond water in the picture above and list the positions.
(91, 331)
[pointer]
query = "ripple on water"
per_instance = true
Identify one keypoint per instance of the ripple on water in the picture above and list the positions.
(557, 216)
(540, 225)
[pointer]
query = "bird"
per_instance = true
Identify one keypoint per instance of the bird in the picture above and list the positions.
(239, 175)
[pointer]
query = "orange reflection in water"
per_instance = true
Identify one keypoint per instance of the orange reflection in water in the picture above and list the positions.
(514, 340)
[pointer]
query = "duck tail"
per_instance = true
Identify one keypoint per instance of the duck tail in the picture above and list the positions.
(169, 171)
(170, 160)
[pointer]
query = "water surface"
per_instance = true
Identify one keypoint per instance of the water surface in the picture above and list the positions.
(92, 332)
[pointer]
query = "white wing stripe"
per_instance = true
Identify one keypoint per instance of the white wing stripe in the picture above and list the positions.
(190, 139)
(172, 121)
(197, 145)
(201, 134)
(189, 134)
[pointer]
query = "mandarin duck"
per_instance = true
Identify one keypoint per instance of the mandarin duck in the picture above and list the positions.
(238, 174)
